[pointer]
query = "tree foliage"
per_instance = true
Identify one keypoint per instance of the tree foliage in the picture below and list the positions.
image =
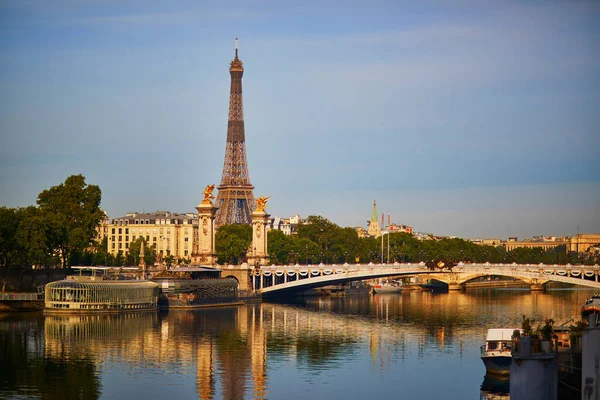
(133, 257)
(71, 213)
(319, 240)
(233, 243)
(57, 231)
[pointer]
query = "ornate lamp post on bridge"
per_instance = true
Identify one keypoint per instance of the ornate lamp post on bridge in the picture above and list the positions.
(306, 254)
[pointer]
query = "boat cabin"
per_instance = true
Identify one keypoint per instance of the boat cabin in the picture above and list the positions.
(499, 339)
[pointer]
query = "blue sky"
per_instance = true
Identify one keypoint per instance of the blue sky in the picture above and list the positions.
(468, 118)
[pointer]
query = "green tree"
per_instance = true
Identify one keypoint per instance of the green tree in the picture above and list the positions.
(133, 257)
(71, 212)
(232, 243)
(280, 247)
(31, 237)
(101, 254)
(9, 223)
(306, 251)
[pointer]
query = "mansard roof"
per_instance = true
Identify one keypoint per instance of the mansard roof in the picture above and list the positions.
(135, 218)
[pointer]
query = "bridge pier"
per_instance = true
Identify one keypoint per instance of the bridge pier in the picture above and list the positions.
(536, 287)
(455, 286)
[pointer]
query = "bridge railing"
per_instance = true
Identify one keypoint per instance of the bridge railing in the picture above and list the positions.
(21, 296)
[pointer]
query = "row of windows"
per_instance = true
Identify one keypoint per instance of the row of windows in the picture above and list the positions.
(114, 247)
(133, 230)
(185, 245)
(152, 221)
(133, 238)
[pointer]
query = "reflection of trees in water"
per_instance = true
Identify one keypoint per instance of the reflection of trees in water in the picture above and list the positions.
(68, 378)
(439, 320)
(322, 352)
(27, 370)
(229, 348)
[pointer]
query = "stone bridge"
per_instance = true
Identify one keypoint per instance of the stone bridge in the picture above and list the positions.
(281, 279)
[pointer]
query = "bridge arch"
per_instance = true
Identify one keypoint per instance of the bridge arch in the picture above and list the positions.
(284, 279)
(458, 281)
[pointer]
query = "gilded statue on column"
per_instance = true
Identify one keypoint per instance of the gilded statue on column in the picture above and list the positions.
(261, 203)
(208, 196)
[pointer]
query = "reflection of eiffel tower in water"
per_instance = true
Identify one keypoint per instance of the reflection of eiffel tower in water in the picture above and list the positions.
(235, 199)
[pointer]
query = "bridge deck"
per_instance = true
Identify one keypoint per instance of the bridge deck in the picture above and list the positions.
(270, 279)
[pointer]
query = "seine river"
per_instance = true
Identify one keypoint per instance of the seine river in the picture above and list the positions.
(413, 345)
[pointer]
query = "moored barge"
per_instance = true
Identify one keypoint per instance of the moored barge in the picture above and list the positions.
(84, 294)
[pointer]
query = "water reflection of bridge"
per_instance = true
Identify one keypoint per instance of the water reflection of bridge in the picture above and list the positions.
(227, 349)
(277, 280)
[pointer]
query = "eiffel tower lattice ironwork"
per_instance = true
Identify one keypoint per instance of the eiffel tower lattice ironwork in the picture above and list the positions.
(236, 198)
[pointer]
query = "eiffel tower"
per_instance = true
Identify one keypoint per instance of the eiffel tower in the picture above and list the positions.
(235, 199)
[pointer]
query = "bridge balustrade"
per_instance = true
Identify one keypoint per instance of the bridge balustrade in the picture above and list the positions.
(269, 278)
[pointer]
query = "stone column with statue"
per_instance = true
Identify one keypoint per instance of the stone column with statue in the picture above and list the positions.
(206, 252)
(259, 254)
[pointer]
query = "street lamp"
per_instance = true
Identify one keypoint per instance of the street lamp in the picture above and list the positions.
(306, 254)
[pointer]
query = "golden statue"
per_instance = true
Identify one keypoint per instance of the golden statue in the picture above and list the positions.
(208, 194)
(261, 203)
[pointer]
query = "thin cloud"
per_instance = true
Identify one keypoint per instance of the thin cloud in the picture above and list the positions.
(169, 18)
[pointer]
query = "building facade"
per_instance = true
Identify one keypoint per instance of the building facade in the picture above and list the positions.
(289, 226)
(392, 228)
(172, 234)
(583, 241)
(546, 245)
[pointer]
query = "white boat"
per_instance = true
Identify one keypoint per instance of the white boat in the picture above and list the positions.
(388, 287)
(592, 305)
(495, 353)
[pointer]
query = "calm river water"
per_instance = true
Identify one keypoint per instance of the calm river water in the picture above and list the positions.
(414, 345)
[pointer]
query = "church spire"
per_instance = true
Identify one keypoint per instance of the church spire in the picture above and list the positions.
(374, 228)
(374, 216)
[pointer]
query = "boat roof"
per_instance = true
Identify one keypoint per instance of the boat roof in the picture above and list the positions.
(500, 334)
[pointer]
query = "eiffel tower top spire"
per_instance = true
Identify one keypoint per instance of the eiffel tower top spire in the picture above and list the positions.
(236, 64)
(235, 199)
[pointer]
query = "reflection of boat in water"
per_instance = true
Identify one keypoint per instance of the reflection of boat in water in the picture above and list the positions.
(592, 305)
(389, 287)
(495, 353)
(495, 388)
